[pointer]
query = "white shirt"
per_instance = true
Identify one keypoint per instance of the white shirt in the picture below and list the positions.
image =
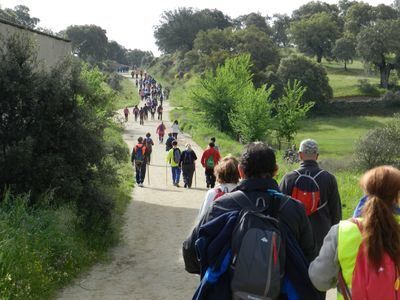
(209, 199)
(175, 128)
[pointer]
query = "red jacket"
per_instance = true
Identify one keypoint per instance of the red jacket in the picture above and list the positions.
(207, 153)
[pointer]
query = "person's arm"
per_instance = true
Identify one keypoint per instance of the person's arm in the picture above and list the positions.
(284, 186)
(203, 159)
(324, 270)
(194, 156)
(334, 203)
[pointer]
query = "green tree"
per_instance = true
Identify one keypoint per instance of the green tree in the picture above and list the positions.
(116, 52)
(257, 20)
(379, 44)
(178, 28)
(20, 15)
(289, 112)
(314, 7)
(280, 29)
(316, 35)
(311, 75)
(250, 118)
(358, 16)
(345, 50)
(214, 40)
(89, 42)
(139, 58)
(218, 92)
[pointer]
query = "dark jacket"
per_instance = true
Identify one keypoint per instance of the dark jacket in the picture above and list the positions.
(292, 214)
(191, 157)
(330, 214)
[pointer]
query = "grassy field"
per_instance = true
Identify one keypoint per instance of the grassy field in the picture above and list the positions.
(346, 83)
(128, 96)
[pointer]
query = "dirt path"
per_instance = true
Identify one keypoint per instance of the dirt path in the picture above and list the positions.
(148, 264)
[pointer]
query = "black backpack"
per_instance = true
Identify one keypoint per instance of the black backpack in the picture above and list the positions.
(187, 158)
(258, 250)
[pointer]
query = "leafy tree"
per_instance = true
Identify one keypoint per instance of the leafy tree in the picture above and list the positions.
(280, 28)
(116, 52)
(89, 42)
(345, 50)
(217, 93)
(20, 15)
(379, 44)
(213, 40)
(289, 111)
(315, 35)
(257, 20)
(250, 119)
(344, 6)
(311, 75)
(137, 57)
(358, 16)
(178, 28)
(385, 12)
(314, 7)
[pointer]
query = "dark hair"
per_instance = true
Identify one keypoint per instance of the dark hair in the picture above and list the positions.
(211, 144)
(148, 134)
(258, 160)
(174, 142)
(227, 170)
(381, 229)
(212, 139)
(176, 122)
(140, 139)
(169, 134)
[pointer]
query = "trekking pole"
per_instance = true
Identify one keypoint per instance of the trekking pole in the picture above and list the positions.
(166, 174)
(148, 174)
(195, 177)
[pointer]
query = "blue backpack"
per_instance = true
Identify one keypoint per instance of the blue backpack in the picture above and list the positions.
(139, 157)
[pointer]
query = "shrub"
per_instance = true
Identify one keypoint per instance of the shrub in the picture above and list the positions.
(380, 146)
(367, 88)
(114, 81)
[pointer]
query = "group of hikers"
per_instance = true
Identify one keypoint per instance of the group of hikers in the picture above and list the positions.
(257, 239)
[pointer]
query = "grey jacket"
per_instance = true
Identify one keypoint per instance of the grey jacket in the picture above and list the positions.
(324, 270)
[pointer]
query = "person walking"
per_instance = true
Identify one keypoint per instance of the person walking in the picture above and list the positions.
(126, 113)
(188, 165)
(316, 189)
(148, 141)
(161, 132)
(227, 175)
(363, 254)
(138, 159)
(141, 116)
(257, 168)
(168, 142)
(209, 160)
(175, 129)
(173, 158)
(136, 112)
(159, 112)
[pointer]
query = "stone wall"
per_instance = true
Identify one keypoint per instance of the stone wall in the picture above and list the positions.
(51, 49)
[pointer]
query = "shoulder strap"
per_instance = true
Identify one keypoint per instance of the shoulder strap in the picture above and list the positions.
(239, 195)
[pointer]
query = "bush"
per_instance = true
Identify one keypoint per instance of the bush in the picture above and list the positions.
(380, 146)
(114, 81)
(367, 88)
(310, 74)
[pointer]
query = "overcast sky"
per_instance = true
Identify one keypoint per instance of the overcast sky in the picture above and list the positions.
(131, 22)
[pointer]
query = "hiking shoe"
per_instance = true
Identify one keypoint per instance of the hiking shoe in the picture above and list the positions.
(177, 185)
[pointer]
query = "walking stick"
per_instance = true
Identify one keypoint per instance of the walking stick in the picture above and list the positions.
(166, 174)
(195, 177)
(148, 174)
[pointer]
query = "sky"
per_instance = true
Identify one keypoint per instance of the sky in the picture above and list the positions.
(131, 22)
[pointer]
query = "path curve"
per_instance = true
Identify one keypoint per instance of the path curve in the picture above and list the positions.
(148, 262)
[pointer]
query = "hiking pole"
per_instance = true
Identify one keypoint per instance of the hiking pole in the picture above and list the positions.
(166, 174)
(148, 174)
(195, 177)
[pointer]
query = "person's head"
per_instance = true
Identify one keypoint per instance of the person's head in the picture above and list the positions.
(227, 170)
(308, 150)
(381, 229)
(140, 140)
(176, 122)
(169, 134)
(174, 143)
(188, 147)
(211, 145)
(148, 134)
(212, 140)
(257, 161)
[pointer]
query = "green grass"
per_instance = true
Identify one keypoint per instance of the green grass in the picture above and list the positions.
(128, 96)
(345, 83)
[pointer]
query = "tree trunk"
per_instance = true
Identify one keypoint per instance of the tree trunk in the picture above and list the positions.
(345, 66)
(384, 69)
(319, 58)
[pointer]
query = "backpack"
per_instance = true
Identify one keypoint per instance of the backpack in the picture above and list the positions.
(139, 155)
(177, 155)
(307, 191)
(188, 158)
(258, 252)
(210, 162)
(149, 144)
(367, 283)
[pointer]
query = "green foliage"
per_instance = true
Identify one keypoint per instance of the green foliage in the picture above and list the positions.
(127, 96)
(344, 50)
(116, 52)
(139, 58)
(280, 28)
(178, 28)
(316, 35)
(366, 88)
(289, 111)
(380, 146)
(250, 118)
(20, 15)
(256, 20)
(358, 16)
(217, 94)
(312, 76)
(89, 42)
